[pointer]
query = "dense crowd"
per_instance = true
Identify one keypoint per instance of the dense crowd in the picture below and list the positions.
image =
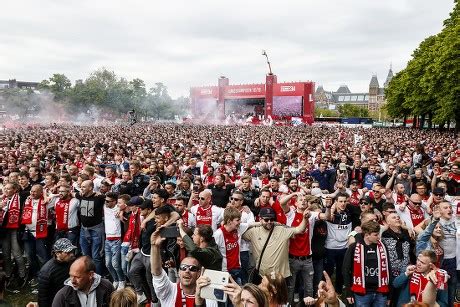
(311, 215)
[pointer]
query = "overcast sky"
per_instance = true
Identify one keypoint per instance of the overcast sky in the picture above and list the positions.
(192, 43)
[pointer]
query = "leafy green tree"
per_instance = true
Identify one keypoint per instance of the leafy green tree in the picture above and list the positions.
(349, 110)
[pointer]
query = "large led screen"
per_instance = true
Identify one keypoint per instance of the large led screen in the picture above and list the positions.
(287, 106)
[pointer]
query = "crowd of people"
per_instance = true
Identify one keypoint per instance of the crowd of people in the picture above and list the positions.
(98, 215)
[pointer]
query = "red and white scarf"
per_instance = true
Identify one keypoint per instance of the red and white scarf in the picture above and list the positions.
(41, 228)
(359, 280)
(417, 284)
(182, 299)
(204, 216)
(13, 212)
(62, 214)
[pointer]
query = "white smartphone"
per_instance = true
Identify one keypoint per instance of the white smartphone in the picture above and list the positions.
(215, 291)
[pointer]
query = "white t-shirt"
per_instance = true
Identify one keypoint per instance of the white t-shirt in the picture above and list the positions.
(111, 223)
(167, 291)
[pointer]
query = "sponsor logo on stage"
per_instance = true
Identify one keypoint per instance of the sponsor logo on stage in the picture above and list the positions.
(245, 90)
(206, 91)
(288, 88)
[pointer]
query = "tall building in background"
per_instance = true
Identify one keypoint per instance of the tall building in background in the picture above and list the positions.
(373, 99)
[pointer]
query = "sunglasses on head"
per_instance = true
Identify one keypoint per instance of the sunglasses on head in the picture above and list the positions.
(190, 267)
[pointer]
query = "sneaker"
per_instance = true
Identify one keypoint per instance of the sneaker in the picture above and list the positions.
(121, 285)
(115, 285)
(141, 298)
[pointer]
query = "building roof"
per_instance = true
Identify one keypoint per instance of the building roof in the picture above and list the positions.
(389, 77)
(343, 89)
(374, 81)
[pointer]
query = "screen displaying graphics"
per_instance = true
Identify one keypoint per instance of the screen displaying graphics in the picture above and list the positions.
(287, 106)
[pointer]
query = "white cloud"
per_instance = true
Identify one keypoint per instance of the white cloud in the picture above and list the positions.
(185, 43)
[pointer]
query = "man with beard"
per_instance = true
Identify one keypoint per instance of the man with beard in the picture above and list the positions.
(91, 212)
(412, 214)
(170, 294)
(250, 194)
(275, 257)
(221, 191)
(206, 213)
(66, 208)
(54, 273)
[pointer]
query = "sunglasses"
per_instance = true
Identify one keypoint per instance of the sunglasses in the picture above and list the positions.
(375, 191)
(190, 267)
(439, 195)
(269, 219)
(202, 198)
(236, 199)
(416, 202)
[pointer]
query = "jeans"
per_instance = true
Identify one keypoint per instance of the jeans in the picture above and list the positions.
(245, 266)
(236, 275)
(10, 245)
(113, 259)
(450, 265)
(36, 251)
(305, 267)
(141, 276)
(371, 299)
(334, 261)
(124, 263)
(92, 244)
(318, 268)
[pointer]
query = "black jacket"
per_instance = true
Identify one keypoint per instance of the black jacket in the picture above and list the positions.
(50, 280)
(68, 297)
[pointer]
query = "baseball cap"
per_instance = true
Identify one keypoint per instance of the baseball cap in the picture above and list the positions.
(146, 204)
(135, 201)
(63, 245)
(438, 191)
(404, 170)
(354, 181)
(365, 199)
(267, 213)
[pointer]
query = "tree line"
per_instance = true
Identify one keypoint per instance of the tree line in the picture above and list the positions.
(428, 89)
(102, 90)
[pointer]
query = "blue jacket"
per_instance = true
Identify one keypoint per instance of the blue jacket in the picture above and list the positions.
(423, 240)
(402, 282)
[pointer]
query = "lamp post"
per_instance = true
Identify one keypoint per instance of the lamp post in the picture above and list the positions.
(268, 62)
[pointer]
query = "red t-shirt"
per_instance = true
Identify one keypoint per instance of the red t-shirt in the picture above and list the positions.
(300, 244)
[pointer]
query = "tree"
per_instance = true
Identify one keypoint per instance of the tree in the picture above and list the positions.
(349, 110)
